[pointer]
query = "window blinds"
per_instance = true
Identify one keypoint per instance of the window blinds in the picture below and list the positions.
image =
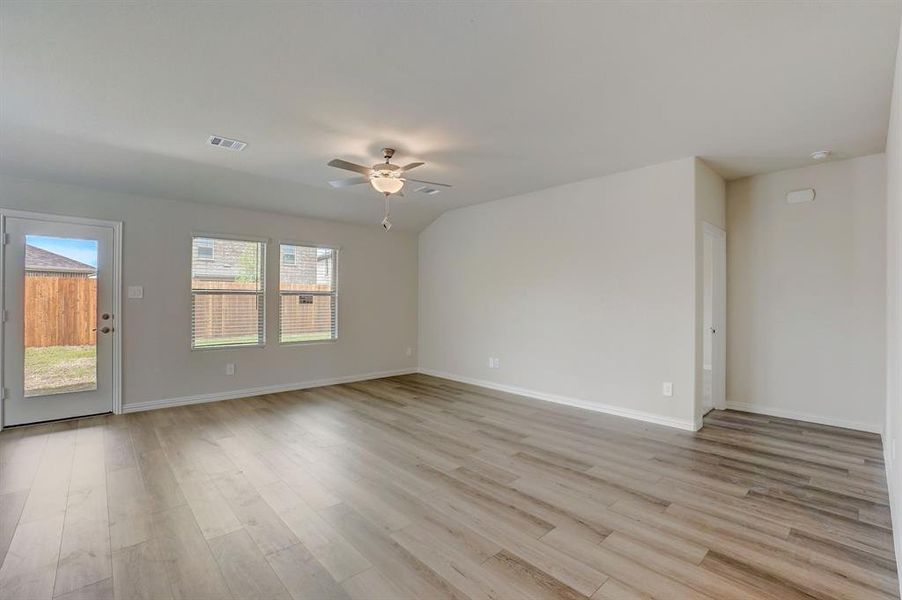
(308, 302)
(227, 293)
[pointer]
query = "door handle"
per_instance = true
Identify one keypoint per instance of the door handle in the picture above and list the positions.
(103, 329)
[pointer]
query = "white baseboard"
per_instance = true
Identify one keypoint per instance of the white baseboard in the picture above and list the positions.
(257, 391)
(638, 415)
(773, 411)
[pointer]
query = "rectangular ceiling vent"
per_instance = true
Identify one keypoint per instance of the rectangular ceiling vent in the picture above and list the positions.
(221, 142)
(425, 189)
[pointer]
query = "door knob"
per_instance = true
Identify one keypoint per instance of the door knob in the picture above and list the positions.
(103, 329)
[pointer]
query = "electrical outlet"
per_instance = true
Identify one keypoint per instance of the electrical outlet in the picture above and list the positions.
(409, 351)
(497, 363)
(230, 368)
(491, 363)
(667, 388)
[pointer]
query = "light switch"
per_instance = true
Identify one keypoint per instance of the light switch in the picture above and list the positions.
(667, 388)
(136, 291)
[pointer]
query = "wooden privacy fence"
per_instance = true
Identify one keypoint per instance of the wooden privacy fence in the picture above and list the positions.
(227, 315)
(59, 311)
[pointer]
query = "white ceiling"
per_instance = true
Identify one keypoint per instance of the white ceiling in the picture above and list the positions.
(498, 98)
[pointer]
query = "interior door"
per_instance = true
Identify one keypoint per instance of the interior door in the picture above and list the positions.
(58, 330)
(714, 319)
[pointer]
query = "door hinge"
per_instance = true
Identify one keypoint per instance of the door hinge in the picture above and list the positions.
(4, 316)
(4, 239)
(4, 393)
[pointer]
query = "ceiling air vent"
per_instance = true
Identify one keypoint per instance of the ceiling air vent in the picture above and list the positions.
(218, 140)
(425, 189)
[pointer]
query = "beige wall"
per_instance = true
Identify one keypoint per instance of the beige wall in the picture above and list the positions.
(585, 292)
(894, 304)
(377, 293)
(806, 293)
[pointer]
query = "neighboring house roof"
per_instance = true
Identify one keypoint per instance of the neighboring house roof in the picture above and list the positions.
(38, 259)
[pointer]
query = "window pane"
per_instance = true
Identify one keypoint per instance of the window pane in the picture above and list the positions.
(308, 301)
(227, 319)
(306, 318)
(227, 281)
(234, 265)
(60, 314)
(311, 271)
(203, 249)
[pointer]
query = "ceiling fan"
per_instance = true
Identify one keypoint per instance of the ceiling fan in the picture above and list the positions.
(385, 178)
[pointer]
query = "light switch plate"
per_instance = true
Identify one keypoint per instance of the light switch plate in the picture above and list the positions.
(667, 388)
(136, 291)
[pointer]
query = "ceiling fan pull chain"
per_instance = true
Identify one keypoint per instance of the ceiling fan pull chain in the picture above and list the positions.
(386, 224)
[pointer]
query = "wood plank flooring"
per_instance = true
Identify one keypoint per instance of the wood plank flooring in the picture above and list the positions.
(418, 487)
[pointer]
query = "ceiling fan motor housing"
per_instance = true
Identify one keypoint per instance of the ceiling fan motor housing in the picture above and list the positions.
(386, 168)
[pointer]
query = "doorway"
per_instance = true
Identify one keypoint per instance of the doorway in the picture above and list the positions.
(60, 337)
(714, 318)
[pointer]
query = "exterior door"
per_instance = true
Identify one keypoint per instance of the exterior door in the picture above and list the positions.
(58, 282)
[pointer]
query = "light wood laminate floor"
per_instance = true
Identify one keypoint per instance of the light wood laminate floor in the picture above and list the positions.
(417, 487)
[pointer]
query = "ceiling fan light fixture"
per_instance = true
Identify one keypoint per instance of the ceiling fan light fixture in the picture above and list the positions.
(386, 185)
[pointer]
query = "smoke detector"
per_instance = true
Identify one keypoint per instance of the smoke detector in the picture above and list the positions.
(228, 144)
(820, 154)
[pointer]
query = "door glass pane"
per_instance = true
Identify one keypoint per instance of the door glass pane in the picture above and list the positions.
(60, 315)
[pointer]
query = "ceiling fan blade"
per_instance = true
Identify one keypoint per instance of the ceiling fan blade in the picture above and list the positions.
(340, 183)
(427, 182)
(412, 165)
(349, 166)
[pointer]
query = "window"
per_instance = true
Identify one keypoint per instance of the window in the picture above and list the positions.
(288, 255)
(227, 283)
(203, 249)
(307, 295)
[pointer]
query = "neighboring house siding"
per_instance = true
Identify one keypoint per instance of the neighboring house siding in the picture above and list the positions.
(310, 266)
(43, 263)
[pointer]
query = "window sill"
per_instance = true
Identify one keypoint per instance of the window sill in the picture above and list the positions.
(233, 347)
(310, 343)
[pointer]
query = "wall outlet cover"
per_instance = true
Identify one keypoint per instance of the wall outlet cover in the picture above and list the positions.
(230, 368)
(136, 291)
(667, 388)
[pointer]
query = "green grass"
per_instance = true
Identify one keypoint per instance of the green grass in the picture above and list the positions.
(250, 340)
(57, 369)
(316, 336)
